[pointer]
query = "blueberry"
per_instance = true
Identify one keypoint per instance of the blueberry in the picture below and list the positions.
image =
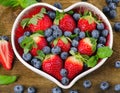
(27, 57)
(65, 81)
(18, 89)
(74, 43)
(108, 1)
(117, 26)
(74, 49)
(112, 14)
(51, 14)
(20, 39)
(102, 40)
(76, 38)
(76, 16)
(4, 38)
(58, 5)
(64, 55)
(46, 49)
(57, 90)
(67, 33)
(82, 35)
(55, 27)
(104, 85)
(117, 64)
(76, 30)
(56, 50)
(117, 87)
(95, 34)
(48, 32)
(73, 91)
(63, 72)
(116, 1)
(27, 33)
(51, 38)
(85, 66)
(106, 10)
(100, 45)
(112, 6)
(87, 84)
(31, 90)
(100, 26)
(57, 33)
(35, 62)
(105, 33)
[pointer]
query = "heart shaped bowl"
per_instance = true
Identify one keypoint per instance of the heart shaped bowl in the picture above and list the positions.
(79, 5)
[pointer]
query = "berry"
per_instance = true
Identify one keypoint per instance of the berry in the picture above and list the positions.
(58, 5)
(27, 57)
(65, 81)
(117, 87)
(57, 33)
(106, 10)
(105, 33)
(50, 39)
(35, 62)
(20, 39)
(18, 89)
(87, 84)
(56, 50)
(73, 91)
(102, 40)
(67, 33)
(100, 45)
(76, 30)
(112, 6)
(57, 90)
(117, 26)
(48, 32)
(46, 49)
(55, 27)
(31, 90)
(100, 26)
(74, 49)
(76, 38)
(4, 38)
(117, 64)
(63, 72)
(108, 1)
(116, 1)
(104, 85)
(95, 34)
(112, 14)
(74, 43)
(27, 33)
(51, 14)
(76, 16)
(82, 35)
(64, 55)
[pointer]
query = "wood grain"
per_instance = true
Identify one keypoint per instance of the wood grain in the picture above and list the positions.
(28, 78)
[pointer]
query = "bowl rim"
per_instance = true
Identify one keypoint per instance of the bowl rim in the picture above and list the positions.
(42, 73)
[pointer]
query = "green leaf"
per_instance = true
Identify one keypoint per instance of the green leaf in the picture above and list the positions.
(55, 42)
(41, 32)
(70, 12)
(56, 21)
(43, 10)
(73, 36)
(35, 35)
(41, 55)
(5, 79)
(24, 22)
(92, 61)
(33, 20)
(64, 39)
(104, 52)
(94, 43)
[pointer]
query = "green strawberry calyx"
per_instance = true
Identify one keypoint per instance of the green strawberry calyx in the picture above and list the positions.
(93, 41)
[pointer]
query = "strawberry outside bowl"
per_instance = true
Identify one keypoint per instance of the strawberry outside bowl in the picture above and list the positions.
(80, 5)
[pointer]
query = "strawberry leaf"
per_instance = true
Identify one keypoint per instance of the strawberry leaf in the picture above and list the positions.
(43, 10)
(35, 35)
(25, 22)
(64, 39)
(41, 55)
(94, 43)
(33, 20)
(40, 32)
(70, 12)
(55, 42)
(73, 36)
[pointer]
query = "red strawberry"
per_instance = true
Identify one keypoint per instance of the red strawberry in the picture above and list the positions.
(63, 43)
(74, 66)
(87, 23)
(87, 46)
(6, 54)
(52, 65)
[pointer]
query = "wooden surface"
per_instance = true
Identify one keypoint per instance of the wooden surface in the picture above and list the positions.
(28, 78)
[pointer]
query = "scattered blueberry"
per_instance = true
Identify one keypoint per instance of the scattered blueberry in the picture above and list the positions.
(20, 39)
(51, 38)
(116, 1)
(63, 72)
(73, 91)
(108, 1)
(18, 89)
(82, 35)
(87, 84)
(56, 50)
(51, 14)
(31, 90)
(58, 5)
(36, 63)
(46, 49)
(4, 38)
(27, 33)
(65, 81)
(105, 33)
(85, 67)
(117, 88)
(106, 10)
(76, 16)
(55, 27)
(112, 6)
(27, 57)
(112, 14)
(102, 40)
(48, 32)
(64, 55)
(76, 30)
(74, 49)
(95, 34)
(104, 85)
(67, 33)
(57, 33)
(100, 26)
(100, 45)
(117, 26)
(117, 64)
(74, 43)
(57, 90)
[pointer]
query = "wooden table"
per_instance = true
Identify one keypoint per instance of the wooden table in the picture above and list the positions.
(28, 78)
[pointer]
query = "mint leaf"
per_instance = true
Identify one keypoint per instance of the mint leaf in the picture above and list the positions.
(5, 79)
(104, 52)
(25, 22)
(41, 55)
(92, 61)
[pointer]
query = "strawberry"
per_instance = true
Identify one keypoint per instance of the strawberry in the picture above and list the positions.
(6, 54)
(63, 43)
(87, 46)
(87, 23)
(52, 64)
(74, 66)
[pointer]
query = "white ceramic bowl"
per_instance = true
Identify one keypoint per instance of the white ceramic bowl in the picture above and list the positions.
(76, 5)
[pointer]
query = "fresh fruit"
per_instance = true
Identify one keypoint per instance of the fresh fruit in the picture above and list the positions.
(117, 87)
(56, 50)
(87, 46)
(73, 91)
(46, 49)
(82, 35)
(52, 64)
(4, 38)
(76, 30)
(87, 83)
(104, 85)
(48, 32)
(57, 33)
(117, 64)
(35, 62)
(58, 5)
(18, 89)
(95, 34)
(100, 45)
(31, 90)
(20, 39)
(106, 10)
(76, 16)
(27, 57)
(51, 14)
(74, 43)
(108, 1)
(112, 14)
(50, 39)
(112, 6)
(105, 33)
(63, 72)
(6, 54)
(67, 33)
(27, 33)
(102, 40)
(74, 49)
(116, 1)
(65, 81)
(64, 55)
(100, 26)
(57, 90)
(117, 26)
